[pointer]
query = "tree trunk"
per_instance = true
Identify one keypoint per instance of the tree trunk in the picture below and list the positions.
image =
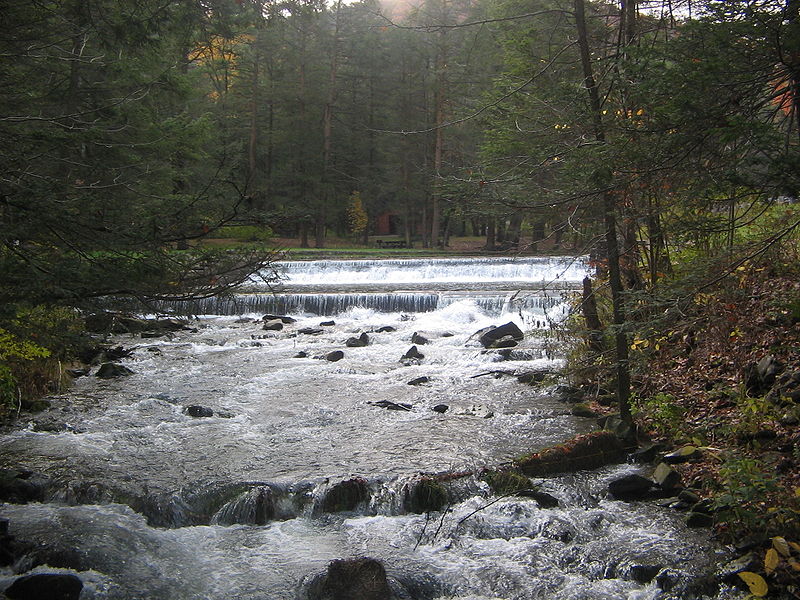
(623, 383)
(591, 318)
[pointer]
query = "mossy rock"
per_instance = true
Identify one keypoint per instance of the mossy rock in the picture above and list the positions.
(346, 496)
(508, 482)
(426, 495)
(583, 452)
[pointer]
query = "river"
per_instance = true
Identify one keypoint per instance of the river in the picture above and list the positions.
(146, 501)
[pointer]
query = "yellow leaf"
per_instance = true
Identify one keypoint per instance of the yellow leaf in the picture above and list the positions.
(781, 545)
(758, 587)
(795, 565)
(771, 561)
(795, 546)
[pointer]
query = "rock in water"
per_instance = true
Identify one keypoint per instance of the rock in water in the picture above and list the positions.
(413, 353)
(441, 408)
(112, 370)
(273, 325)
(630, 487)
(45, 586)
(418, 338)
(353, 579)
(282, 318)
(346, 495)
(490, 335)
(334, 356)
(198, 411)
(419, 380)
(358, 342)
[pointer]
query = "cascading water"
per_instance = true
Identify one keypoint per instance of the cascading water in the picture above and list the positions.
(143, 500)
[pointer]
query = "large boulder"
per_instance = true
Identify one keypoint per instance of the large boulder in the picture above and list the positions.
(419, 339)
(45, 586)
(760, 377)
(282, 318)
(630, 487)
(489, 336)
(334, 356)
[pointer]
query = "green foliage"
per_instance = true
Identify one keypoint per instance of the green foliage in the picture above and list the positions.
(245, 233)
(662, 413)
(747, 487)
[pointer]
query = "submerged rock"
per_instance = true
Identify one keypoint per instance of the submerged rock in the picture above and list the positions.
(419, 380)
(385, 329)
(389, 405)
(310, 331)
(112, 370)
(327, 324)
(22, 486)
(45, 586)
(440, 408)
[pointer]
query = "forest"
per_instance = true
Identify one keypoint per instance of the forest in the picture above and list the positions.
(659, 137)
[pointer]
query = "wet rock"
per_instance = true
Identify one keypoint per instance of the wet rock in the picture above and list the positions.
(666, 477)
(273, 325)
(490, 335)
(334, 356)
(301, 354)
(196, 410)
(441, 408)
(111, 370)
(697, 519)
(413, 353)
(309, 331)
(520, 354)
(630, 487)
(506, 341)
(419, 339)
(385, 329)
(22, 486)
(644, 573)
(389, 405)
(667, 579)
(75, 373)
(358, 342)
(327, 324)
(425, 495)
(689, 497)
(615, 424)
(748, 562)
(419, 380)
(45, 586)
(646, 454)
(532, 377)
(543, 499)
(682, 455)
(582, 410)
(282, 318)
(352, 579)
(583, 452)
(568, 393)
(346, 495)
